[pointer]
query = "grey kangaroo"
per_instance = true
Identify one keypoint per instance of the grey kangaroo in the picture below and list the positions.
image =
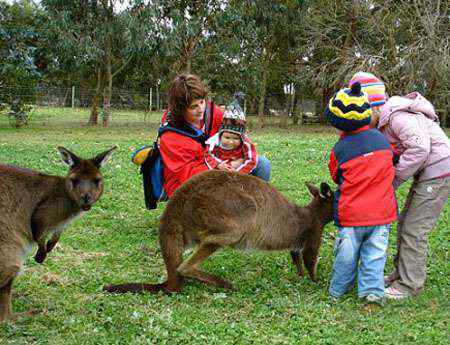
(219, 209)
(35, 206)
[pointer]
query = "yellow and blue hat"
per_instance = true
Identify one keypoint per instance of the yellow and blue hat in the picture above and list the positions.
(349, 109)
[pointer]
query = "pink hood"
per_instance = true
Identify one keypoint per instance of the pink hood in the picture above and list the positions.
(411, 125)
(413, 103)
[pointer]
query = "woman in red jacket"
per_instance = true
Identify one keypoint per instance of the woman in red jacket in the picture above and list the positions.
(183, 156)
(189, 112)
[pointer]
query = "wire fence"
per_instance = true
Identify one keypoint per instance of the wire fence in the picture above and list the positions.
(52, 106)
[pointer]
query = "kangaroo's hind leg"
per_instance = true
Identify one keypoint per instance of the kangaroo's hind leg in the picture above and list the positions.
(191, 267)
(172, 248)
(7, 275)
(5, 300)
(209, 244)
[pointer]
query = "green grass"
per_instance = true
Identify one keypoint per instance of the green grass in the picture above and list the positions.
(117, 242)
(65, 117)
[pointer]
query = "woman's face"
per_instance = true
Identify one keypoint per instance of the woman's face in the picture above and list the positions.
(194, 112)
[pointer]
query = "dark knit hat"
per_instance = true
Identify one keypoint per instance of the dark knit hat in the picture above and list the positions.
(349, 109)
(234, 117)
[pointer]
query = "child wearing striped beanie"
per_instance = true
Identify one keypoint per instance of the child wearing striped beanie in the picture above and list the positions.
(349, 109)
(372, 86)
(361, 164)
(230, 149)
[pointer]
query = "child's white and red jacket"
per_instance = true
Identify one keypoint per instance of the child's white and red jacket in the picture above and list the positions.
(215, 154)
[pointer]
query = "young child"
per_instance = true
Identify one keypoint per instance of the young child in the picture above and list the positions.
(361, 163)
(411, 125)
(230, 149)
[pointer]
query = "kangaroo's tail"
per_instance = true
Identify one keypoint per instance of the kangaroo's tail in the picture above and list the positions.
(172, 247)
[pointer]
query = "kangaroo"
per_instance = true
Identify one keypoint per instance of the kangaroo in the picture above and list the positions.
(218, 209)
(34, 206)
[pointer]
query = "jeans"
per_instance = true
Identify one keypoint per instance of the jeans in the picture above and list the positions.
(361, 249)
(262, 169)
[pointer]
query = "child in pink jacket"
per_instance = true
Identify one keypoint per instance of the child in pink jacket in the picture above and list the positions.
(411, 125)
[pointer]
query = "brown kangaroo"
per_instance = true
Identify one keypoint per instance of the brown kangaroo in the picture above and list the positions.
(219, 209)
(34, 206)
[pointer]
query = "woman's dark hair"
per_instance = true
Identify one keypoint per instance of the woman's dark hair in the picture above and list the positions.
(184, 89)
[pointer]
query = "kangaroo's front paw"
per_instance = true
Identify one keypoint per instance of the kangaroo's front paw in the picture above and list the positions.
(40, 257)
(50, 245)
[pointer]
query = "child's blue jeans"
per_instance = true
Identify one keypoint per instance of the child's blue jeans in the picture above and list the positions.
(360, 249)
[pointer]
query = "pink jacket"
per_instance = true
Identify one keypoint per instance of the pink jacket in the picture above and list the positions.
(411, 125)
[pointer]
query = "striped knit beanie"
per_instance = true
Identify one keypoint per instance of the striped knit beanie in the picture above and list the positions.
(349, 109)
(233, 118)
(371, 85)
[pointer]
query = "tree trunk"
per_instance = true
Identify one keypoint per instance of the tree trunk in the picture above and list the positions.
(93, 119)
(326, 95)
(188, 64)
(262, 95)
(107, 91)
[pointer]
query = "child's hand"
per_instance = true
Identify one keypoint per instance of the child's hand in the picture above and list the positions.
(224, 166)
(236, 163)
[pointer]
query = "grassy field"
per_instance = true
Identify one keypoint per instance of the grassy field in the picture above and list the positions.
(117, 242)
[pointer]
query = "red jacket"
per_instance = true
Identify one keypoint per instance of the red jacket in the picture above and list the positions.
(182, 157)
(208, 126)
(215, 154)
(361, 163)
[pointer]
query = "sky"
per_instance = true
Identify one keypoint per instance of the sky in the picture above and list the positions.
(119, 6)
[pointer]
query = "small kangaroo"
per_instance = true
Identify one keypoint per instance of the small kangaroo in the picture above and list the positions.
(219, 209)
(34, 206)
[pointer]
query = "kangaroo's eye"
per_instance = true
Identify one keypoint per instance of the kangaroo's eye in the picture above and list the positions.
(74, 181)
(97, 181)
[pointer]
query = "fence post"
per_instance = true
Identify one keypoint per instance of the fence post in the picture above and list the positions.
(157, 99)
(73, 96)
(151, 98)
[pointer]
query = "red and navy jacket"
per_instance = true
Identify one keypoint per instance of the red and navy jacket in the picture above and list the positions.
(362, 164)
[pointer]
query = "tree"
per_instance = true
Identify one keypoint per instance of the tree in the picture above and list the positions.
(19, 50)
(95, 35)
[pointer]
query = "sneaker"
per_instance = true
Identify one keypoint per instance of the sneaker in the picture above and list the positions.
(375, 299)
(395, 294)
(334, 299)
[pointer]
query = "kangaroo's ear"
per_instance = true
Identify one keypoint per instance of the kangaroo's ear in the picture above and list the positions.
(103, 157)
(68, 157)
(325, 190)
(313, 190)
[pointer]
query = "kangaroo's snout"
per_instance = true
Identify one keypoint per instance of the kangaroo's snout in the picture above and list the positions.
(86, 198)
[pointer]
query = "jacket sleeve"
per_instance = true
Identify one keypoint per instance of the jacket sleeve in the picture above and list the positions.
(333, 166)
(217, 120)
(416, 141)
(179, 157)
(211, 160)
(250, 158)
